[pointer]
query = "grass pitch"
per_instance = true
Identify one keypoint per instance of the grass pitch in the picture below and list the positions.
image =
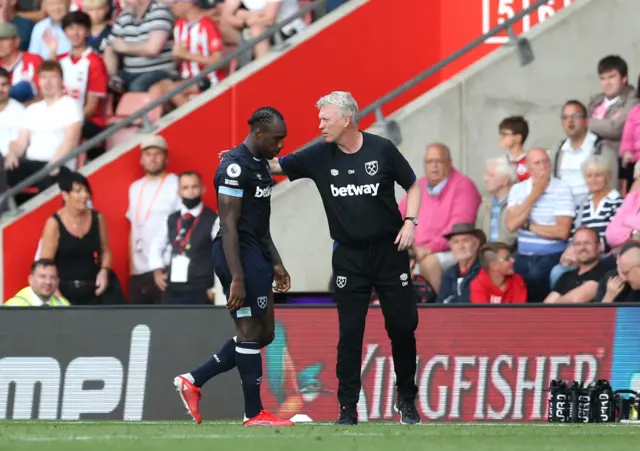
(223, 436)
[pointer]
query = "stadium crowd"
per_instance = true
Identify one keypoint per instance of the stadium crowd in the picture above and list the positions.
(556, 226)
(69, 64)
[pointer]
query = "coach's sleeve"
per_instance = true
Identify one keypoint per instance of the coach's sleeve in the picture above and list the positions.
(303, 164)
(230, 178)
(402, 172)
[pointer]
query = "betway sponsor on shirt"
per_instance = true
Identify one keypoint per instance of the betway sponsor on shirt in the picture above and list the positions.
(369, 189)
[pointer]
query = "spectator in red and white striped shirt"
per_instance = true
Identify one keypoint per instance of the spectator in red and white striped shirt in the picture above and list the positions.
(197, 43)
(23, 66)
(85, 75)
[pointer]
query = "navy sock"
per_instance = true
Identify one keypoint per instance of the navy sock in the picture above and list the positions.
(249, 361)
(221, 362)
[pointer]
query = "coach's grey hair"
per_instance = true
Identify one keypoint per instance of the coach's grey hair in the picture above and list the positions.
(504, 167)
(343, 100)
(600, 163)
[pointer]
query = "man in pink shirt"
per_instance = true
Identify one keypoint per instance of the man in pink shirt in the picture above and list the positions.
(608, 112)
(448, 198)
(625, 225)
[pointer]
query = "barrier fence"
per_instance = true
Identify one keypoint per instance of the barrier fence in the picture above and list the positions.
(488, 363)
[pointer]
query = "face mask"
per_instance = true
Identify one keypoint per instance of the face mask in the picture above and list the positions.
(191, 203)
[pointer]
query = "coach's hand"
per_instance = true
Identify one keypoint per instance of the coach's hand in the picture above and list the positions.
(236, 295)
(405, 238)
(282, 278)
(223, 153)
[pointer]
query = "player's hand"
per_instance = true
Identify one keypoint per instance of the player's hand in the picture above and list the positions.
(282, 279)
(406, 236)
(223, 153)
(237, 294)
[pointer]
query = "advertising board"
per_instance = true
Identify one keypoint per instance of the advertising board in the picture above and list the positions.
(474, 363)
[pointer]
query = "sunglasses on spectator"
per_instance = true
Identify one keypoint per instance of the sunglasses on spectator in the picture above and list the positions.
(505, 259)
(573, 116)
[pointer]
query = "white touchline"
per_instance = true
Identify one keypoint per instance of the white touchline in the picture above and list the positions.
(208, 425)
(71, 438)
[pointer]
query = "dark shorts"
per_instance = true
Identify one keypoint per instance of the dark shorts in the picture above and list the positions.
(258, 279)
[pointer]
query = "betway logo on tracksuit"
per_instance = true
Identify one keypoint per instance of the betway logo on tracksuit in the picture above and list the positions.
(355, 190)
(263, 192)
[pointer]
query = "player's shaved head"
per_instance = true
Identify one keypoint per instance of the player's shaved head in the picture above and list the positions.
(263, 116)
(268, 131)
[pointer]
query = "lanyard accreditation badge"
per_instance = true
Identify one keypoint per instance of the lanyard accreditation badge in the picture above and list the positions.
(180, 262)
(138, 222)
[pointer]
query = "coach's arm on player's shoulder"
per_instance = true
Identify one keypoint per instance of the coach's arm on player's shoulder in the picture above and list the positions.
(301, 164)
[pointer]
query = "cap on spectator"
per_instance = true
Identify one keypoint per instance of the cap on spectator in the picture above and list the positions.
(154, 141)
(8, 30)
(464, 228)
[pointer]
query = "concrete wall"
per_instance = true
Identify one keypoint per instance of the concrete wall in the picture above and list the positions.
(465, 112)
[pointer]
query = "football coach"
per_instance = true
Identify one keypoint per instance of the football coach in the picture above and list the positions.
(355, 173)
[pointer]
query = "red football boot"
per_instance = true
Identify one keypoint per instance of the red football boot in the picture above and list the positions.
(266, 419)
(190, 395)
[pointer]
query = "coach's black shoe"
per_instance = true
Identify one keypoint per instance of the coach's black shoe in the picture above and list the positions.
(408, 412)
(348, 416)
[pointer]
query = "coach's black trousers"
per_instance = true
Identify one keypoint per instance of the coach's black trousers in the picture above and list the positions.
(356, 271)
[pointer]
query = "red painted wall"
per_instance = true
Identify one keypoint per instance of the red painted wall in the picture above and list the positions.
(371, 51)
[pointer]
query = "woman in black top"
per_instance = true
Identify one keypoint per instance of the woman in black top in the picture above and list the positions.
(76, 238)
